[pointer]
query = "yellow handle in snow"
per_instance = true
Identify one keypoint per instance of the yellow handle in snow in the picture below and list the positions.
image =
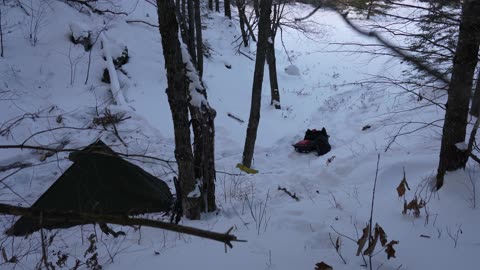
(246, 169)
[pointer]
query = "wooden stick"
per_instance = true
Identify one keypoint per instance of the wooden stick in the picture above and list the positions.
(77, 217)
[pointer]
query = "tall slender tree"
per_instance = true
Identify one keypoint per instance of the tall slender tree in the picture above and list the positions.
(228, 10)
(241, 10)
(254, 119)
(185, 92)
(199, 40)
(475, 109)
(1, 34)
(271, 58)
(452, 157)
(191, 31)
(178, 100)
(256, 8)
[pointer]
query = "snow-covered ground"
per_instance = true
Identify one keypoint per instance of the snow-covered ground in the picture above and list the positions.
(46, 82)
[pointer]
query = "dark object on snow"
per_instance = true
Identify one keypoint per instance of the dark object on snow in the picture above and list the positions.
(105, 76)
(366, 127)
(235, 117)
(314, 140)
(99, 182)
(122, 59)
(86, 41)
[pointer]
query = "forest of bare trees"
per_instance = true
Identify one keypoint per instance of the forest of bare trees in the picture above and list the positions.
(442, 54)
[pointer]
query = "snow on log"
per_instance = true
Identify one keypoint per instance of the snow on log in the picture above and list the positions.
(114, 83)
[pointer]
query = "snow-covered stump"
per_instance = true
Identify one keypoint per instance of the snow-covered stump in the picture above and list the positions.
(81, 34)
(117, 93)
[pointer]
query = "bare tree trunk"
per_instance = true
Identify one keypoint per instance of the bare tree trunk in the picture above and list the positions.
(177, 7)
(272, 71)
(263, 33)
(217, 5)
(249, 27)
(204, 153)
(228, 10)
(459, 92)
(256, 8)
(210, 4)
(475, 109)
(198, 28)
(271, 59)
(191, 32)
(241, 10)
(1, 35)
(177, 93)
(184, 11)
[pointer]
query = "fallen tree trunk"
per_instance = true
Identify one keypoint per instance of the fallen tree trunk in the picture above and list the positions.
(86, 218)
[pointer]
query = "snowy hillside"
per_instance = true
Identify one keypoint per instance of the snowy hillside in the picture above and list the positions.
(51, 91)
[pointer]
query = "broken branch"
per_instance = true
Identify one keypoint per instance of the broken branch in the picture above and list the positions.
(294, 195)
(71, 216)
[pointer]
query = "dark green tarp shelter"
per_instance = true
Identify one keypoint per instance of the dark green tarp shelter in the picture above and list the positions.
(99, 181)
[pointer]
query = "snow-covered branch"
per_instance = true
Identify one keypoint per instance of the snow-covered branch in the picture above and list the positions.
(114, 83)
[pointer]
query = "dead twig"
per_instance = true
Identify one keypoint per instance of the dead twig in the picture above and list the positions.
(235, 117)
(95, 10)
(55, 150)
(337, 245)
(144, 22)
(294, 195)
(15, 165)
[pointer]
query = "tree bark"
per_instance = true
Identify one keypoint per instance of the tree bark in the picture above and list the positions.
(1, 34)
(263, 33)
(459, 92)
(210, 4)
(475, 109)
(178, 100)
(217, 5)
(241, 10)
(249, 27)
(184, 12)
(198, 28)
(271, 59)
(272, 71)
(191, 31)
(228, 10)
(204, 153)
(256, 8)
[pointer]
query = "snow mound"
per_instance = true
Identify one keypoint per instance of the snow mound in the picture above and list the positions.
(292, 70)
(79, 30)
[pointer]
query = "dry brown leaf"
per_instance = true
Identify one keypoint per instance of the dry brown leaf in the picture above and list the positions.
(361, 242)
(401, 189)
(371, 246)
(414, 206)
(382, 234)
(390, 250)
(323, 266)
(403, 186)
(373, 243)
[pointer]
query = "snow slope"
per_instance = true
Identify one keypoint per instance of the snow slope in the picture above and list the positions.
(47, 80)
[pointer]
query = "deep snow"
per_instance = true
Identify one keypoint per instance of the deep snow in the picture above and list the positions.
(48, 79)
